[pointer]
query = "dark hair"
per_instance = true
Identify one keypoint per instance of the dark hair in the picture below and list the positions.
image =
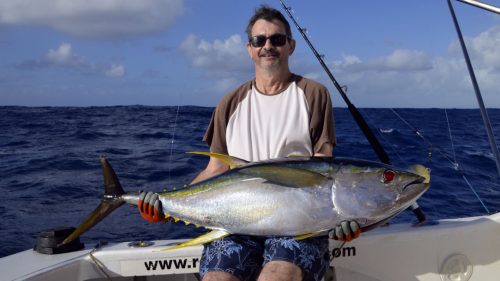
(267, 13)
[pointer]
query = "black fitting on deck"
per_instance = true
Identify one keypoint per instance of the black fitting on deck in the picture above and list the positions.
(48, 240)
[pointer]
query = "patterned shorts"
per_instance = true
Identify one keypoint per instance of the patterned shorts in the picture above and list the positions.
(244, 256)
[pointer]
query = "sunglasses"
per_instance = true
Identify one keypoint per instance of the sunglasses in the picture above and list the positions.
(277, 40)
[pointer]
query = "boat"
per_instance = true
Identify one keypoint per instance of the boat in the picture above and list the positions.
(458, 249)
(120, 261)
(450, 250)
(454, 249)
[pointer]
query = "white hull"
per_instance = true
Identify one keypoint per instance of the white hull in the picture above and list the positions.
(451, 250)
(400, 252)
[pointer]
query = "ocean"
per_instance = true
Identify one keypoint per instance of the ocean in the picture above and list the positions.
(50, 174)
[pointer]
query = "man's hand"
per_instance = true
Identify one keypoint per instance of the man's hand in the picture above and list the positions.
(345, 231)
(150, 207)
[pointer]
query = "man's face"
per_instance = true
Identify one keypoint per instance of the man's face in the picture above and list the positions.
(270, 57)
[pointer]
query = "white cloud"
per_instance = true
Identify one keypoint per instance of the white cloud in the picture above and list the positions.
(220, 55)
(484, 49)
(409, 78)
(61, 55)
(64, 56)
(414, 78)
(115, 70)
(404, 60)
(93, 18)
(399, 60)
(224, 60)
(397, 80)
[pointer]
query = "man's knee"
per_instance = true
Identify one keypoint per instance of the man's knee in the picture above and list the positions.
(219, 276)
(280, 271)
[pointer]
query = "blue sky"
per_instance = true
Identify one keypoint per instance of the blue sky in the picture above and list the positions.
(390, 53)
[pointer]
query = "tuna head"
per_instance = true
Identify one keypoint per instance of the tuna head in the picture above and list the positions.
(372, 192)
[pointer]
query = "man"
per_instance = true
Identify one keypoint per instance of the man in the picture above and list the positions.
(278, 114)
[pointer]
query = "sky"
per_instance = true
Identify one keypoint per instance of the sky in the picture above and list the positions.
(389, 53)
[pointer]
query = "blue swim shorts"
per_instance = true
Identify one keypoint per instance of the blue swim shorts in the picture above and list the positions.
(244, 256)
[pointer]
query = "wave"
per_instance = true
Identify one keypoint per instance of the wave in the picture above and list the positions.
(386, 131)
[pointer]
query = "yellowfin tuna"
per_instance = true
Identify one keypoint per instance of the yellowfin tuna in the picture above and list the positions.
(298, 196)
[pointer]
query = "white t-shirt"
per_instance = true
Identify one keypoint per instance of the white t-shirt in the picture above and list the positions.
(252, 126)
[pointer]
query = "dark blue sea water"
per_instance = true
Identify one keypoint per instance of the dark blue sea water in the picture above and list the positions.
(50, 174)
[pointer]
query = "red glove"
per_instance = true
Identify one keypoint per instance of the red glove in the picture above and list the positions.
(150, 207)
(345, 231)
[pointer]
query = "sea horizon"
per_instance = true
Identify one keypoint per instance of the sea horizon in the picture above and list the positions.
(206, 106)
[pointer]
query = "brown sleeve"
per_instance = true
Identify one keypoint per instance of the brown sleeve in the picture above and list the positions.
(321, 123)
(215, 136)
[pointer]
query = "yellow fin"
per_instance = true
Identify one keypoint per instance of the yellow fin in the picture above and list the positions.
(309, 235)
(233, 162)
(286, 176)
(304, 236)
(203, 239)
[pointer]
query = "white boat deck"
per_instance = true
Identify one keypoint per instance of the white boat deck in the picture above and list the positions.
(116, 260)
(453, 250)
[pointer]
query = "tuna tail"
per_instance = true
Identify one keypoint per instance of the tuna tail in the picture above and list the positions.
(111, 200)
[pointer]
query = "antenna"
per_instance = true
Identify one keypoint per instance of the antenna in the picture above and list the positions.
(477, 91)
(481, 5)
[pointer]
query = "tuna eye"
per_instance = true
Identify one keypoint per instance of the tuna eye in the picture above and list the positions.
(388, 176)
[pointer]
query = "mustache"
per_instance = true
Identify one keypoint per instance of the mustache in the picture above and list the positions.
(270, 52)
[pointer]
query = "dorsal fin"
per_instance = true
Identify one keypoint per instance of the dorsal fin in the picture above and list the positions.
(233, 162)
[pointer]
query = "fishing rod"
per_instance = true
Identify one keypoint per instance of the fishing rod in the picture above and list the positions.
(375, 144)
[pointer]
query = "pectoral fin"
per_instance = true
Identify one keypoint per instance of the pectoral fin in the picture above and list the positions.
(233, 162)
(205, 238)
(291, 177)
(304, 236)
(309, 235)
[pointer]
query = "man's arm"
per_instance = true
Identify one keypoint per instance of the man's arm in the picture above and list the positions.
(325, 151)
(214, 167)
